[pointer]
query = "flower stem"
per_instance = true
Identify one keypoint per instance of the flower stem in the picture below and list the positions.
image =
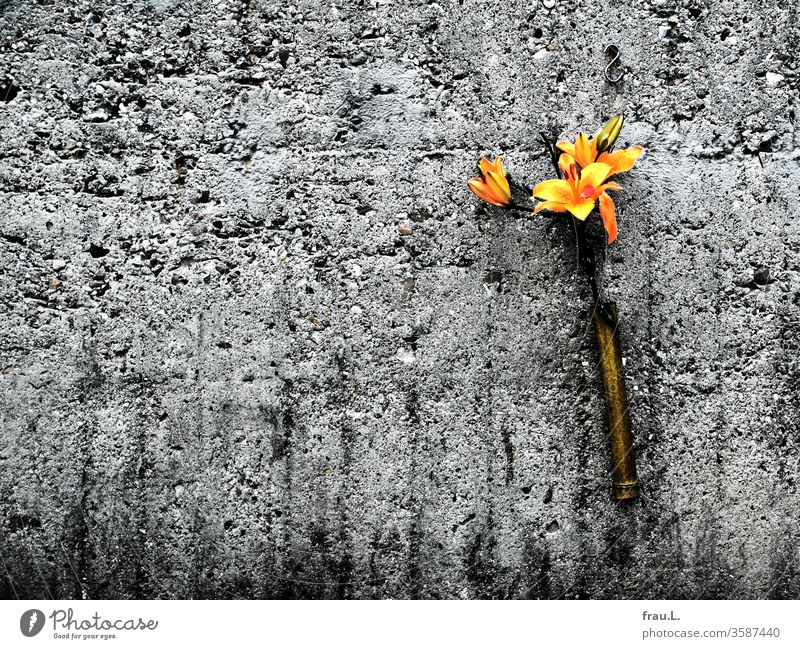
(586, 258)
(587, 262)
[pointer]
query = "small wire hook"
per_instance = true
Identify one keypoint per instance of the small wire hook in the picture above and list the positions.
(613, 52)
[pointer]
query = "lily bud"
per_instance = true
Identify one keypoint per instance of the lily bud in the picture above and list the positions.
(608, 134)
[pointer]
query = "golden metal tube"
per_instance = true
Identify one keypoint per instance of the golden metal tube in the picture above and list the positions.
(626, 484)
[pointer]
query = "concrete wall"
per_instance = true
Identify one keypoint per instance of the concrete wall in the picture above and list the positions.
(229, 370)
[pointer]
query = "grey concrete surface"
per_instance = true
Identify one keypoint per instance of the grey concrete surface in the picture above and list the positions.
(228, 370)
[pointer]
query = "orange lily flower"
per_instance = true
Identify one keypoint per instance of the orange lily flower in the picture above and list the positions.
(492, 186)
(579, 191)
(586, 151)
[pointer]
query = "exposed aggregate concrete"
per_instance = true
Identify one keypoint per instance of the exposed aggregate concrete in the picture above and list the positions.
(259, 340)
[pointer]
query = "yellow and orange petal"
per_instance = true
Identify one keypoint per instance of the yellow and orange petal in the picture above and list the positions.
(581, 208)
(487, 166)
(621, 160)
(482, 190)
(592, 177)
(495, 175)
(556, 190)
(499, 186)
(609, 185)
(566, 147)
(553, 206)
(585, 150)
(607, 214)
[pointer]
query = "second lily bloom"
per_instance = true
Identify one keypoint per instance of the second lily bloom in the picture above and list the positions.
(492, 185)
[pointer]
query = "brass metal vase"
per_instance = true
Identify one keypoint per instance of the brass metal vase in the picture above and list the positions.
(623, 461)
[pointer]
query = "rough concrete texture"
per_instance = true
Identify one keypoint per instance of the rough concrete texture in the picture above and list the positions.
(259, 340)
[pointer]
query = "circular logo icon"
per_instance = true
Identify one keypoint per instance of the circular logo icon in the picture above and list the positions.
(31, 622)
